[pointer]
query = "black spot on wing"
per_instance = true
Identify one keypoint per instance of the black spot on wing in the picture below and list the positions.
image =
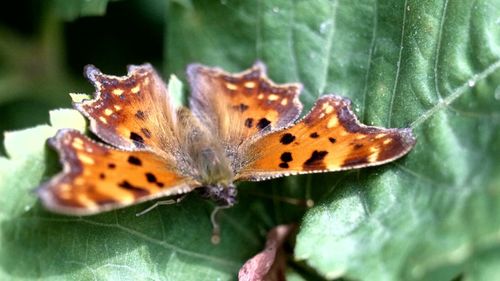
(139, 191)
(134, 160)
(249, 122)
(111, 165)
(150, 177)
(314, 135)
(138, 140)
(332, 140)
(146, 132)
(358, 146)
(284, 165)
(241, 107)
(287, 138)
(140, 115)
(355, 161)
(263, 123)
(286, 157)
(315, 162)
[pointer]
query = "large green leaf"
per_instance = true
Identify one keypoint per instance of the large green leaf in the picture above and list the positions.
(432, 65)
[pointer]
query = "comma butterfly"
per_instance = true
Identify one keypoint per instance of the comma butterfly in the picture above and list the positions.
(241, 127)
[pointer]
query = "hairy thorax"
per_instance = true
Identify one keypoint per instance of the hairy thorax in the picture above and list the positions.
(209, 161)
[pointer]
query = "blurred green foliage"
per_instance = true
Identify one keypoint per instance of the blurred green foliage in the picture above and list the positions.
(44, 46)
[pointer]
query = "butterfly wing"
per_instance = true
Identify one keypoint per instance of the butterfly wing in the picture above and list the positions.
(97, 178)
(329, 138)
(131, 112)
(237, 107)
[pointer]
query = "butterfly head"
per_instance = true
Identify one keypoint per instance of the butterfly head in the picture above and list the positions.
(222, 194)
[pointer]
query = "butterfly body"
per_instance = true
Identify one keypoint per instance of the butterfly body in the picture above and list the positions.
(238, 127)
(210, 165)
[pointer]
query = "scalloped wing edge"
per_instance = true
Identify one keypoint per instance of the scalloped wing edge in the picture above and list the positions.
(49, 201)
(346, 117)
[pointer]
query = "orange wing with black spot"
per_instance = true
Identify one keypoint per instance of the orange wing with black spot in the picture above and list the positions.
(97, 178)
(329, 138)
(239, 106)
(131, 112)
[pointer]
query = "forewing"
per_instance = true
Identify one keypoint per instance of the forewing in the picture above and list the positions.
(98, 178)
(131, 112)
(329, 138)
(239, 106)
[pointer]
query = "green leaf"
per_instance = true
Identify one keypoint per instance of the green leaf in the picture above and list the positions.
(25, 164)
(175, 91)
(484, 266)
(75, 97)
(432, 65)
(73, 9)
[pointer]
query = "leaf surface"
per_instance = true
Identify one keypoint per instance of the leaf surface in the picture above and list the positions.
(433, 66)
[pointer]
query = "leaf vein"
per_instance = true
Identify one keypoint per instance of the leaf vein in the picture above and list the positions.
(164, 244)
(370, 57)
(258, 35)
(398, 69)
(328, 48)
(291, 42)
(458, 92)
(439, 49)
(418, 175)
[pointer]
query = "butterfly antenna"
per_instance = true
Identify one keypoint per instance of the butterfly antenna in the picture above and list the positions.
(160, 203)
(215, 224)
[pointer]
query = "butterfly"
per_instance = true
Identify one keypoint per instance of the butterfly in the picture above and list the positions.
(240, 127)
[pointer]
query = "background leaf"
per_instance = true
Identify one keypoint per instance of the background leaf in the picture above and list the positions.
(432, 65)
(73, 9)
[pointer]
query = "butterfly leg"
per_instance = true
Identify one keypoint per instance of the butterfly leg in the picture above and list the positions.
(160, 203)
